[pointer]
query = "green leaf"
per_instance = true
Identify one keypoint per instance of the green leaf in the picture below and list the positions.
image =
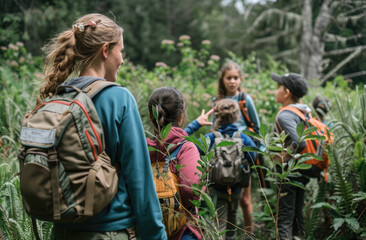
(300, 128)
(200, 169)
(209, 203)
(297, 184)
(337, 223)
(314, 137)
(253, 149)
(310, 130)
(322, 205)
(195, 141)
(196, 203)
(165, 131)
(275, 149)
(252, 134)
(303, 166)
(152, 149)
(155, 112)
(170, 146)
(224, 143)
(178, 167)
(263, 129)
(353, 223)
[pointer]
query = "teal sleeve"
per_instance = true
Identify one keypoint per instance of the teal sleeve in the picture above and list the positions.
(126, 143)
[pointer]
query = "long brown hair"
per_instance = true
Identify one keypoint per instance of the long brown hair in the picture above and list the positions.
(73, 50)
(226, 111)
(169, 104)
(226, 67)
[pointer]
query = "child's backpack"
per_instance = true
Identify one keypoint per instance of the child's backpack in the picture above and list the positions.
(251, 127)
(230, 168)
(65, 174)
(166, 185)
(316, 147)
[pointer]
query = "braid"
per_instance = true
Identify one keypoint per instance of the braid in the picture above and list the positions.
(226, 111)
(59, 62)
(74, 50)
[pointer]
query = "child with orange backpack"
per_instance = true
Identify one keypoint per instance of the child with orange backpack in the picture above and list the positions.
(291, 88)
(173, 158)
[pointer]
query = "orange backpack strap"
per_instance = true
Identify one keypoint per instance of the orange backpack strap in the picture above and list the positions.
(244, 110)
(278, 127)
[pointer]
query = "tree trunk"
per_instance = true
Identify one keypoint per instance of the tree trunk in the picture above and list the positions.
(312, 40)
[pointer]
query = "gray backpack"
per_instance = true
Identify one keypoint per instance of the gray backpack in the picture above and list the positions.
(230, 168)
(65, 174)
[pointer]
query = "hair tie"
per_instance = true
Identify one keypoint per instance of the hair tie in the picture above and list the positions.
(159, 104)
(92, 24)
(80, 27)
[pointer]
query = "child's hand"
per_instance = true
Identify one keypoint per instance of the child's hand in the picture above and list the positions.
(203, 118)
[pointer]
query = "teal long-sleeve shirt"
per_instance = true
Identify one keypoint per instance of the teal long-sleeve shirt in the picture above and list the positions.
(136, 202)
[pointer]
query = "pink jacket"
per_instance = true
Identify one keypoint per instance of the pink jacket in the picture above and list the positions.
(188, 155)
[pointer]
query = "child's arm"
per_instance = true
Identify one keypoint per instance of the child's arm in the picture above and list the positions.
(202, 120)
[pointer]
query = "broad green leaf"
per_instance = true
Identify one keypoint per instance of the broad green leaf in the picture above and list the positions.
(353, 223)
(151, 149)
(224, 143)
(205, 142)
(310, 130)
(263, 129)
(300, 128)
(303, 166)
(321, 205)
(200, 169)
(195, 141)
(252, 134)
(196, 203)
(253, 149)
(155, 112)
(209, 203)
(165, 131)
(275, 149)
(297, 184)
(337, 223)
(170, 146)
(314, 137)
(178, 167)
(309, 156)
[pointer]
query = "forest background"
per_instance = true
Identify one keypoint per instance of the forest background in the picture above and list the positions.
(183, 44)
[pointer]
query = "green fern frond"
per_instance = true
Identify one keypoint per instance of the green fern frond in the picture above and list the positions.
(314, 219)
(341, 186)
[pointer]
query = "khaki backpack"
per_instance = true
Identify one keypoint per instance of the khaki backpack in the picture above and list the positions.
(166, 185)
(65, 174)
(230, 168)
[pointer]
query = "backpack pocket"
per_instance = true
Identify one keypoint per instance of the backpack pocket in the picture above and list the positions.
(102, 185)
(35, 186)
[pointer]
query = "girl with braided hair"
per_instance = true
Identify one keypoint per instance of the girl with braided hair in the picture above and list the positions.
(226, 113)
(169, 105)
(92, 50)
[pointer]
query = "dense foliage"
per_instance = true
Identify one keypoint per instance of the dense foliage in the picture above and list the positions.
(335, 210)
(243, 27)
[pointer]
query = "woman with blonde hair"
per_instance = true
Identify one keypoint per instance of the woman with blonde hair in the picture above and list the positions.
(92, 50)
